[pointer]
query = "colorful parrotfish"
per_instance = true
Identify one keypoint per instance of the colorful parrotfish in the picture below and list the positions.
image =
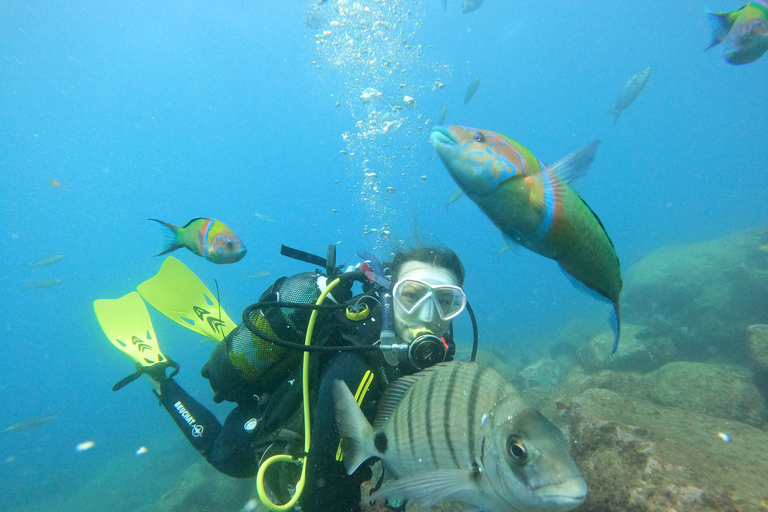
(208, 238)
(533, 205)
(744, 33)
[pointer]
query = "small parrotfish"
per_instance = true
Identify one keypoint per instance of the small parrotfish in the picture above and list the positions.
(472, 89)
(630, 92)
(744, 33)
(458, 431)
(208, 238)
(533, 205)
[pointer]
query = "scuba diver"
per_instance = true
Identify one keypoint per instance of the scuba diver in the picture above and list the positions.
(279, 365)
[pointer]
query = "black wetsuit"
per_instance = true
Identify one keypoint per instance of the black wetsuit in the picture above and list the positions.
(235, 448)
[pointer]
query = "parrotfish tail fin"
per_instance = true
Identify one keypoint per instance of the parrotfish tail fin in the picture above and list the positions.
(354, 429)
(576, 164)
(171, 243)
(615, 321)
(720, 23)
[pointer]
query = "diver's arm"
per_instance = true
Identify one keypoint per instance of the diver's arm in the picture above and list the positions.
(227, 448)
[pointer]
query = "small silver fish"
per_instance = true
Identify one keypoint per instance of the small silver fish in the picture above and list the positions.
(46, 260)
(459, 431)
(263, 216)
(471, 90)
(44, 283)
(259, 275)
(31, 423)
(470, 5)
(630, 92)
(442, 114)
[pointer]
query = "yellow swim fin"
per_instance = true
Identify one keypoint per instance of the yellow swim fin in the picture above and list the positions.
(180, 295)
(126, 323)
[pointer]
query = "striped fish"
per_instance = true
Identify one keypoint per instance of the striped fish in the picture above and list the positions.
(458, 431)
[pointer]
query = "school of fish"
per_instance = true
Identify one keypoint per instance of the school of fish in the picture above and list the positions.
(458, 431)
(534, 206)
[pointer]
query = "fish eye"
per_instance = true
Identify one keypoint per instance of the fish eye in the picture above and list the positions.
(479, 137)
(516, 450)
(229, 244)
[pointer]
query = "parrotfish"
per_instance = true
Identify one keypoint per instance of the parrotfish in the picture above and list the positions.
(744, 33)
(471, 90)
(208, 238)
(458, 431)
(44, 283)
(630, 92)
(533, 205)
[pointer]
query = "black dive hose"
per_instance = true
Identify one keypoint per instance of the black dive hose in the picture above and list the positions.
(474, 330)
(293, 345)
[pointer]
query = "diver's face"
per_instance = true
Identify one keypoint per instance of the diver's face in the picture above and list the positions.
(427, 307)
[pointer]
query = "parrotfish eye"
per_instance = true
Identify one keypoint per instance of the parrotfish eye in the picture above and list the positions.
(229, 244)
(516, 450)
(479, 137)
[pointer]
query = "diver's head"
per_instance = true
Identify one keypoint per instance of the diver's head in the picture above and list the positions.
(427, 292)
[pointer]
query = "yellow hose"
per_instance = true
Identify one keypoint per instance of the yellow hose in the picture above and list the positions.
(307, 429)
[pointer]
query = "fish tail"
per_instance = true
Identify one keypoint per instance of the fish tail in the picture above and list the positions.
(354, 429)
(720, 23)
(171, 237)
(615, 322)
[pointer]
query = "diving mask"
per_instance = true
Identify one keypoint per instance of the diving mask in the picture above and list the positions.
(428, 304)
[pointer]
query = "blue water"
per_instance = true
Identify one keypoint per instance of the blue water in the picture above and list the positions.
(175, 110)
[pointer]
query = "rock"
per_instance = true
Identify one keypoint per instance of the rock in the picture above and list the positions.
(757, 347)
(640, 457)
(704, 295)
(204, 488)
(639, 351)
(545, 373)
(707, 388)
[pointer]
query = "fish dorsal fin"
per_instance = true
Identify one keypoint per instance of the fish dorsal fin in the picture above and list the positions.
(395, 393)
(575, 165)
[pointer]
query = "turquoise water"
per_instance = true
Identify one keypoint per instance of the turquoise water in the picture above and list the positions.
(177, 110)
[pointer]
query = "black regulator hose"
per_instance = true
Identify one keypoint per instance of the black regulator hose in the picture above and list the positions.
(293, 345)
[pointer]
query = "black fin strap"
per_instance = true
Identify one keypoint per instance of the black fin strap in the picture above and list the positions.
(302, 256)
(157, 367)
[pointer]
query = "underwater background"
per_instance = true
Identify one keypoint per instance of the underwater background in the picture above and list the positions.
(260, 114)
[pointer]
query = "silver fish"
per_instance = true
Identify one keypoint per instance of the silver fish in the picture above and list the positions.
(471, 90)
(47, 260)
(29, 424)
(470, 5)
(442, 114)
(45, 283)
(263, 216)
(630, 92)
(459, 431)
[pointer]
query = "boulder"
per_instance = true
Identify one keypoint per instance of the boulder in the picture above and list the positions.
(640, 457)
(703, 296)
(640, 350)
(757, 347)
(545, 373)
(715, 390)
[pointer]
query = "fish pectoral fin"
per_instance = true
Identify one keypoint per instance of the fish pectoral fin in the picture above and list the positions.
(575, 165)
(429, 487)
